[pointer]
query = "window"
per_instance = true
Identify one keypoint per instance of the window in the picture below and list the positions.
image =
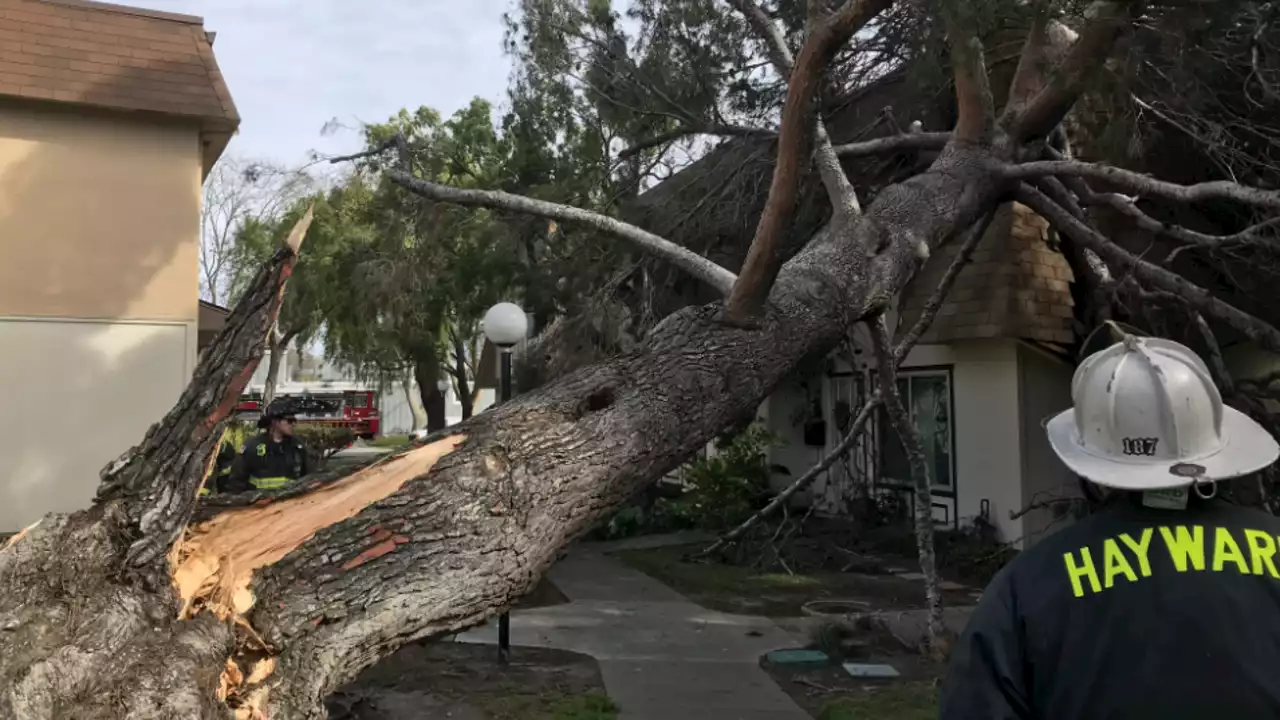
(927, 396)
(360, 401)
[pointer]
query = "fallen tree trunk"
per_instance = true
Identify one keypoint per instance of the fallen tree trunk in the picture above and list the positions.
(435, 540)
(272, 600)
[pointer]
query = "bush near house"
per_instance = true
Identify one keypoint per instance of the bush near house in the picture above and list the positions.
(322, 442)
(709, 493)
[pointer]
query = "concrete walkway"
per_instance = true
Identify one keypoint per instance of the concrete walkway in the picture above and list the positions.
(661, 656)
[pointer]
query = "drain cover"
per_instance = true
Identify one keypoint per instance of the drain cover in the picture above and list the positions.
(860, 670)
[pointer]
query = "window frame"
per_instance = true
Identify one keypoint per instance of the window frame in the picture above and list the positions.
(947, 372)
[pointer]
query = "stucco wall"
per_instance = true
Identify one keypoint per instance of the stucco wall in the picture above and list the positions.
(988, 457)
(99, 242)
(99, 216)
(1044, 389)
(76, 395)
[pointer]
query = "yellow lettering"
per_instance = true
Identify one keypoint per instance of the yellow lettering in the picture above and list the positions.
(1184, 546)
(1084, 569)
(1225, 550)
(1114, 563)
(1140, 549)
(1262, 547)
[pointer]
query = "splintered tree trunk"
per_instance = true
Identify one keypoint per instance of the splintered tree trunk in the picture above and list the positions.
(130, 610)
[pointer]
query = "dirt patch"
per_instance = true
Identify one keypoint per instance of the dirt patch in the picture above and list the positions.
(746, 590)
(462, 681)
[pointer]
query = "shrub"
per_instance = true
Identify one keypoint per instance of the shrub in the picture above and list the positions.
(323, 441)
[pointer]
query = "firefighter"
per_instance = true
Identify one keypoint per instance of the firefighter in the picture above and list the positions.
(1163, 603)
(273, 457)
(233, 439)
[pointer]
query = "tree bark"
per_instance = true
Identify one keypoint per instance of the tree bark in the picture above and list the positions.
(465, 398)
(277, 347)
(415, 402)
(909, 436)
(427, 373)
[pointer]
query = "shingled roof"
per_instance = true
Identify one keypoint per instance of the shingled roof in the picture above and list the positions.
(118, 58)
(1014, 286)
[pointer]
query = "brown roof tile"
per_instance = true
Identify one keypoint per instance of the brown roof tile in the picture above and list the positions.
(115, 57)
(1014, 286)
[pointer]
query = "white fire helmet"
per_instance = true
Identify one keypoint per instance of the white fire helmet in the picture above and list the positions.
(1147, 416)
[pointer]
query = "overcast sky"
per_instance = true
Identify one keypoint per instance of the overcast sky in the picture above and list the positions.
(294, 65)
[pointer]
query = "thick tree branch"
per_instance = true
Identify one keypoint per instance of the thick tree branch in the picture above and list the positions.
(1145, 185)
(1196, 297)
(687, 130)
(976, 107)
(1106, 20)
(713, 275)
(840, 192)
(973, 236)
(157, 481)
(796, 134)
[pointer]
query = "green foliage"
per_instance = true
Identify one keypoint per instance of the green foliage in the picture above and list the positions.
(324, 440)
(714, 492)
(726, 488)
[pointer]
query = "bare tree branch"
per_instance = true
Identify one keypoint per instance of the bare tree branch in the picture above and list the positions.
(713, 275)
(1157, 277)
(1105, 21)
(796, 133)
(895, 143)
(686, 130)
(1145, 185)
(909, 436)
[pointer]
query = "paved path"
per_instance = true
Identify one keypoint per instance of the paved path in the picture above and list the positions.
(661, 656)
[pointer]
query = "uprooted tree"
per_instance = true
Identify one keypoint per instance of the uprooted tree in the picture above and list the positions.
(152, 605)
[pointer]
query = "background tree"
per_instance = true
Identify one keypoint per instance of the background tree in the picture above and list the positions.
(239, 191)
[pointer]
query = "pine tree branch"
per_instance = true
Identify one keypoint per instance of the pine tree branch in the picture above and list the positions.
(1198, 298)
(699, 267)
(1106, 20)
(796, 135)
(1145, 185)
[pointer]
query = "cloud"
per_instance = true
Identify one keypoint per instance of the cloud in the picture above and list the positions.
(294, 65)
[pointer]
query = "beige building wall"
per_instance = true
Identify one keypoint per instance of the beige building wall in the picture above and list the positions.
(1044, 389)
(986, 424)
(99, 243)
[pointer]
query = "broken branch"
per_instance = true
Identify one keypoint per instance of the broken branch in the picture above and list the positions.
(158, 480)
(796, 133)
(1105, 21)
(719, 279)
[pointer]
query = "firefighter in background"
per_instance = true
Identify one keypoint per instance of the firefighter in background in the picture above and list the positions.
(1163, 603)
(273, 457)
(233, 438)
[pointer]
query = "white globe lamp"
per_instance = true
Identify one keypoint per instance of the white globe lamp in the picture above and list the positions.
(505, 324)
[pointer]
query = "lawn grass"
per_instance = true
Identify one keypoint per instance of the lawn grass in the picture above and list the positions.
(744, 590)
(896, 701)
(551, 705)
(389, 441)
(727, 588)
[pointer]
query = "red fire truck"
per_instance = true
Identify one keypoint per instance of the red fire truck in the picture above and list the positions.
(331, 404)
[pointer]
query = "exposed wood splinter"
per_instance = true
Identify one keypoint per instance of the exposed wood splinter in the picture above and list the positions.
(387, 545)
(217, 560)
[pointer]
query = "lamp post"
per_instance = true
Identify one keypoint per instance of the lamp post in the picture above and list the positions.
(505, 324)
